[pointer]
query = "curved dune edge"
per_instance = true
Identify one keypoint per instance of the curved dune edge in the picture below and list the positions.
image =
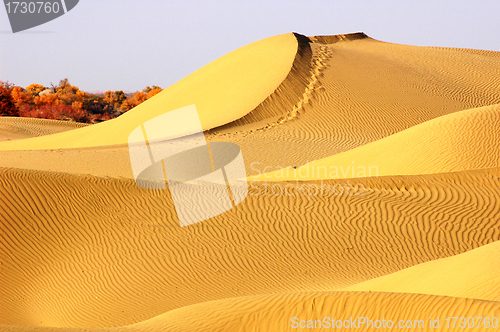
(286, 98)
(459, 141)
(19, 128)
(275, 313)
(366, 90)
(473, 274)
(223, 91)
(84, 251)
(288, 93)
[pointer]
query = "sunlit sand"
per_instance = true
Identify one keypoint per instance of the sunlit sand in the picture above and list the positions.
(412, 236)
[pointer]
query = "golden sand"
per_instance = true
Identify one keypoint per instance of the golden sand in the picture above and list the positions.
(83, 248)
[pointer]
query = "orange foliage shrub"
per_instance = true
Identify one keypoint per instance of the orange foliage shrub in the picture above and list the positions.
(7, 105)
(140, 97)
(51, 99)
(20, 97)
(153, 93)
(34, 89)
(67, 102)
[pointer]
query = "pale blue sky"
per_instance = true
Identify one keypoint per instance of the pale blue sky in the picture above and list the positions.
(127, 45)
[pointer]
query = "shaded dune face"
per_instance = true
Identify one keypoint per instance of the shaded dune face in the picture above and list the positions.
(84, 248)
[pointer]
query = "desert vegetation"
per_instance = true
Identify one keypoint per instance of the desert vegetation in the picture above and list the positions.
(67, 102)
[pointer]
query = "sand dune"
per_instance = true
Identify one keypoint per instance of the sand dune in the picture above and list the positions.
(84, 248)
(363, 90)
(216, 90)
(94, 252)
(12, 128)
(277, 312)
(460, 141)
(474, 274)
(335, 97)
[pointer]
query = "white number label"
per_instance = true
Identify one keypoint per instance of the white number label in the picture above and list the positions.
(49, 7)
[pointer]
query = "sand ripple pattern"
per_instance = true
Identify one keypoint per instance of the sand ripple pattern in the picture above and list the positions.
(95, 252)
(367, 90)
(33, 127)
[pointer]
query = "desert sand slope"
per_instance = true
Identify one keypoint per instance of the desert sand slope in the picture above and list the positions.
(320, 309)
(363, 90)
(84, 251)
(219, 91)
(276, 313)
(460, 141)
(12, 128)
(474, 274)
(341, 92)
